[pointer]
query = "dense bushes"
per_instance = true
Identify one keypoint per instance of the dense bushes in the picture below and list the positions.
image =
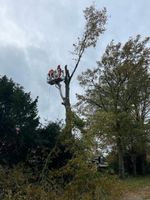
(15, 184)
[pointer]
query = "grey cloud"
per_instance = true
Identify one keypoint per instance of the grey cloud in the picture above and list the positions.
(13, 62)
(43, 34)
(29, 67)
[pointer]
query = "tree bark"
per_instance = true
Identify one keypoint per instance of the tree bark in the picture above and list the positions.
(143, 163)
(67, 102)
(120, 152)
(133, 159)
(120, 160)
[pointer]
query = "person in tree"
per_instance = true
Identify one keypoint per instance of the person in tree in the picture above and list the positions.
(50, 76)
(55, 76)
(60, 72)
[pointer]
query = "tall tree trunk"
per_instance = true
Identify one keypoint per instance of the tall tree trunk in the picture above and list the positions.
(67, 103)
(133, 159)
(68, 111)
(143, 163)
(121, 160)
(120, 151)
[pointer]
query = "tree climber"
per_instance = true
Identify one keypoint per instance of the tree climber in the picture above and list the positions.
(55, 76)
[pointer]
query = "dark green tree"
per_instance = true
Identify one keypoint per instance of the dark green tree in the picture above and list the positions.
(18, 121)
(45, 140)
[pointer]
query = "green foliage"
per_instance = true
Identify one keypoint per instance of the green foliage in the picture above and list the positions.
(116, 100)
(44, 142)
(88, 184)
(17, 111)
(15, 185)
(94, 27)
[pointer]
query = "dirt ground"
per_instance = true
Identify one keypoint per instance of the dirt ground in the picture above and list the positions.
(140, 194)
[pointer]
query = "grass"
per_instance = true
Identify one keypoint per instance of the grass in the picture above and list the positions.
(137, 182)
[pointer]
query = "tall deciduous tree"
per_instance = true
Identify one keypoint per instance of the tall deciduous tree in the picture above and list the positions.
(94, 27)
(118, 93)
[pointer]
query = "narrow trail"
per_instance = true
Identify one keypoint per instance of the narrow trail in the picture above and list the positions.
(142, 193)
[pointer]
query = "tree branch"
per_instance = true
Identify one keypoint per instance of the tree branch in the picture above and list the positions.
(58, 86)
(81, 51)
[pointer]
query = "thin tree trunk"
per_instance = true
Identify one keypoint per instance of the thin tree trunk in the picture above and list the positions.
(121, 162)
(120, 152)
(133, 159)
(143, 163)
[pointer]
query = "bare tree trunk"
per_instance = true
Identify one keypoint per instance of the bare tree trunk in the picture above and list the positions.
(120, 152)
(143, 163)
(133, 159)
(68, 110)
(67, 102)
(121, 160)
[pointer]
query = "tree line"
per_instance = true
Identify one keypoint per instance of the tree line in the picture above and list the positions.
(116, 103)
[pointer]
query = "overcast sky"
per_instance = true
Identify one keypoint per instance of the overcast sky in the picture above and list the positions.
(36, 35)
